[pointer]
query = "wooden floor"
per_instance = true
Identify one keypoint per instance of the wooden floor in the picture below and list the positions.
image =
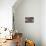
(9, 43)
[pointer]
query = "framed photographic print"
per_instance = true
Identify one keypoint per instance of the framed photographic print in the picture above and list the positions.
(29, 19)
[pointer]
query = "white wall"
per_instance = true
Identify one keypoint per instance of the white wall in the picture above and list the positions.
(43, 22)
(6, 13)
(29, 8)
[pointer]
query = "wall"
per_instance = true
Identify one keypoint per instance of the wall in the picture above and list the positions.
(43, 22)
(6, 13)
(29, 8)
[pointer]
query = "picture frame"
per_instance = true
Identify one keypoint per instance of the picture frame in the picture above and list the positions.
(29, 19)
